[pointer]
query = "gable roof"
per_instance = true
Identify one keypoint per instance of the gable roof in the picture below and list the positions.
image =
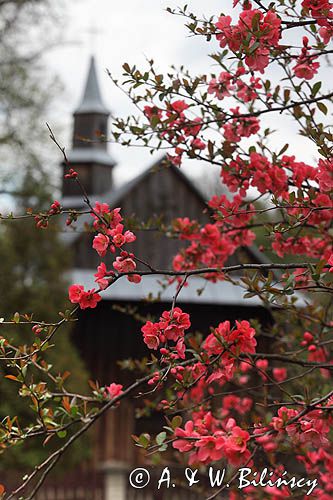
(115, 195)
(199, 291)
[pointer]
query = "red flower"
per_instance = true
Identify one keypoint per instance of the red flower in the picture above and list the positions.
(118, 238)
(280, 374)
(179, 106)
(114, 390)
(221, 87)
(124, 264)
(101, 274)
(134, 278)
(55, 208)
(101, 243)
(243, 337)
(173, 325)
(325, 175)
(306, 67)
(151, 335)
(88, 299)
(211, 448)
(236, 445)
(254, 35)
(184, 443)
(198, 144)
(75, 293)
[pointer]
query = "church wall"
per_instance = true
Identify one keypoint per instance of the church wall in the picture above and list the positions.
(87, 128)
(160, 193)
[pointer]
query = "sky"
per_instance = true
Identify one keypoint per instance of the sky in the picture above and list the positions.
(128, 31)
(132, 31)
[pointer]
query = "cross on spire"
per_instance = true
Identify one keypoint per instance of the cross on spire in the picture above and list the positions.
(94, 32)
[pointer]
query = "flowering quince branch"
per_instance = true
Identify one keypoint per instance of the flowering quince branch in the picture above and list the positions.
(37, 329)
(54, 457)
(115, 394)
(72, 174)
(273, 402)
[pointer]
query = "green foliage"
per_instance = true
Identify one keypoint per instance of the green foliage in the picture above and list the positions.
(33, 261)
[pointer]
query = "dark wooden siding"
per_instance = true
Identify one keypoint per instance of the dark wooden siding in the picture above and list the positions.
(159, 193)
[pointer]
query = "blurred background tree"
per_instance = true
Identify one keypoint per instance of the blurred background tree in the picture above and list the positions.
(33, 262)
(28, 28)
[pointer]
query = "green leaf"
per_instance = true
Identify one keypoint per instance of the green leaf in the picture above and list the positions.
(160, 438)
(45, 346)
(255, 22)
(144, 440)
(283, 150)
(154, 121)
(316, 88)
(136, 130)
(322, 107)
(62, 434)
(292, 197)
(176, 421)
(16, 317)
(74, 411)
(290, 281)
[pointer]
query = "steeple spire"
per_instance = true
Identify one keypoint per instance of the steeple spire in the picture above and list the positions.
(91, 117)
(92, 101)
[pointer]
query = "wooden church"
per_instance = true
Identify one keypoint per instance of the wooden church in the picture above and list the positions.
(111, 332)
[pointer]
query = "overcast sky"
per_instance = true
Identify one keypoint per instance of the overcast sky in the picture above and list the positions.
(130, 31)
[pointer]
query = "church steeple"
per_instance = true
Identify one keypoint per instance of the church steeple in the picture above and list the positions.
(91, 117)
(89, 154)
(92, 101)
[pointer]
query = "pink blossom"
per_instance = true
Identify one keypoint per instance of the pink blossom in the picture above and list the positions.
(101, 274)
(265, 33)
(279, 374)
(124, 264)
(210, 448)
(236, 446)
(75, 293)
(114, 390)
(151, 335)
(88, 299)
(325, 175)
(184, 443)
(221, 87)
(100, 244)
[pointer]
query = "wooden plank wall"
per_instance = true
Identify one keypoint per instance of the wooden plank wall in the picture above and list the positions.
(160, 192)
